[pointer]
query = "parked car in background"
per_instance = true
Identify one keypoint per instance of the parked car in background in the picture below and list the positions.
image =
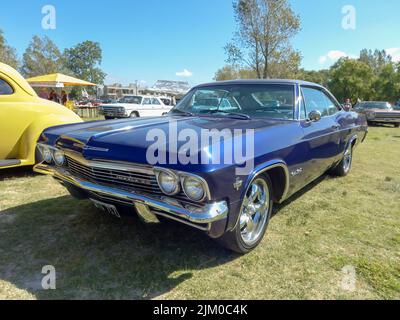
(133, 107)
(23, 117)
(397, 106)
(379, 112)
(300, 132)
(108, 101)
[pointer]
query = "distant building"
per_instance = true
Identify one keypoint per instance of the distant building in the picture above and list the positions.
(176, 89)
(117, 90)
(168, 88)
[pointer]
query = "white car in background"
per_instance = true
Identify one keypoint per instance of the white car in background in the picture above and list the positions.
(135, 106)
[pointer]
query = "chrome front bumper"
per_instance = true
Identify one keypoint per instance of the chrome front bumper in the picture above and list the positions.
(197, 216)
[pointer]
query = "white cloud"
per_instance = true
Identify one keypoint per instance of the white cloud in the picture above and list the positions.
(332, 56)
(185, 73)
(394, 53)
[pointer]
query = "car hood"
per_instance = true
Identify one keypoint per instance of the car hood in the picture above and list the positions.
(129, 139)
(118, 105)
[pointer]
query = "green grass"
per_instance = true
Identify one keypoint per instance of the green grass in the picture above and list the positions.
(337, 222)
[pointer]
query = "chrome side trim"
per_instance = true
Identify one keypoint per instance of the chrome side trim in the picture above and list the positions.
(287, 175)
(257, 174)
(208, 213)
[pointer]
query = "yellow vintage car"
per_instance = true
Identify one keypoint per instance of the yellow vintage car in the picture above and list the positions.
(23, 117)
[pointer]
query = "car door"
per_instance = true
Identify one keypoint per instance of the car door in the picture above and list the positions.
(322, 137)
(146, 109)
(158, 107)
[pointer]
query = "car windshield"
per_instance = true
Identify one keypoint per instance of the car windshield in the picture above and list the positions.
(373, 105)
(266, 100)
(131, 99)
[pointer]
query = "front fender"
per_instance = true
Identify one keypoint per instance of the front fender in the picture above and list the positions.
(32, 133)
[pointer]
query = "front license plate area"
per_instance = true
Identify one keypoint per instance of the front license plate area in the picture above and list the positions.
(108, 208)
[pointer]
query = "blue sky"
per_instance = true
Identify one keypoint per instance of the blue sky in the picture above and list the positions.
(156, 39)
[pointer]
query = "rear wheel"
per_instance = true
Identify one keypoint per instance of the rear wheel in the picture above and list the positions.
(108, 118)
(254, 217)
(343, 168)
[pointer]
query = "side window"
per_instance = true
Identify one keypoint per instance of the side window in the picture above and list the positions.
(155, 101)
(146, 101)
(5, 88)
(315, 99)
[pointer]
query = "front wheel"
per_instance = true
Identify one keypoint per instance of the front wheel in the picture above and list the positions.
(134, 114)
(343, 168)
(254, 217)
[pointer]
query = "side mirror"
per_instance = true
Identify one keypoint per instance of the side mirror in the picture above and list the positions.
(314, 116)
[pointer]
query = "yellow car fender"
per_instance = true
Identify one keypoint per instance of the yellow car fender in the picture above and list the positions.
(32, 133)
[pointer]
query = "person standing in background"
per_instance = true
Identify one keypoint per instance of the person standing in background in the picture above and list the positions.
(64, 98)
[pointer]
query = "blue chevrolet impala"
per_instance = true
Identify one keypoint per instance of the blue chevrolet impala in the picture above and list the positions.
(217, 162)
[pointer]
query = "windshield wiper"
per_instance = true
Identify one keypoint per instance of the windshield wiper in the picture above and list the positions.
(182, 112)
(231, 114)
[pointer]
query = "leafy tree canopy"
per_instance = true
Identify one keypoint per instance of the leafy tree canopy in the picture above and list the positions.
(8, 54)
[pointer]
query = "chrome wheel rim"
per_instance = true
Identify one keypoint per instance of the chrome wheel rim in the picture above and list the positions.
(254, 212)
(347, 160)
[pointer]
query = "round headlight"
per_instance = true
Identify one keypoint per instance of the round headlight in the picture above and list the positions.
(46, 154)
(193, 188)
(168, 182)
(59, 157)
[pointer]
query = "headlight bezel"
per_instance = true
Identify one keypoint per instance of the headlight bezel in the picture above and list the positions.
(50, 151)
(182, 176)
(47, 154)
(57, 162)
(185, 179)
(159, 175)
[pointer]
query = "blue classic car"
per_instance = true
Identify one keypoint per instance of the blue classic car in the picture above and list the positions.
(218, 161)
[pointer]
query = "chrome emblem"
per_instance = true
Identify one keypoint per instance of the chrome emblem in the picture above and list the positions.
(237, 185)
(132, 179)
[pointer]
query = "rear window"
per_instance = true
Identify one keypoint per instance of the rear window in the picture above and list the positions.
(5, 88)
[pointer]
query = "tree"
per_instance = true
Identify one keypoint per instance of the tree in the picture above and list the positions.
(262, 41)
(352, 79)
(231, 72)
(8, 54)
(84, 60)
(321, 77)
(42, 57)
(387, 84)
(375, 59)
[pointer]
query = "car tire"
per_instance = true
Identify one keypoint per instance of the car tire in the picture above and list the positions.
(397, 125)
(134, 114)
(108, 118)
(344, 166)
(257, 203)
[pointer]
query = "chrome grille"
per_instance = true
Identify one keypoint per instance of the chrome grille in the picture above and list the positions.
(119, 178)
(127, 180)
(388, 115)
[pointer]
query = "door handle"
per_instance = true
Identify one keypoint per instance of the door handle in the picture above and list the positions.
(336, 127)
